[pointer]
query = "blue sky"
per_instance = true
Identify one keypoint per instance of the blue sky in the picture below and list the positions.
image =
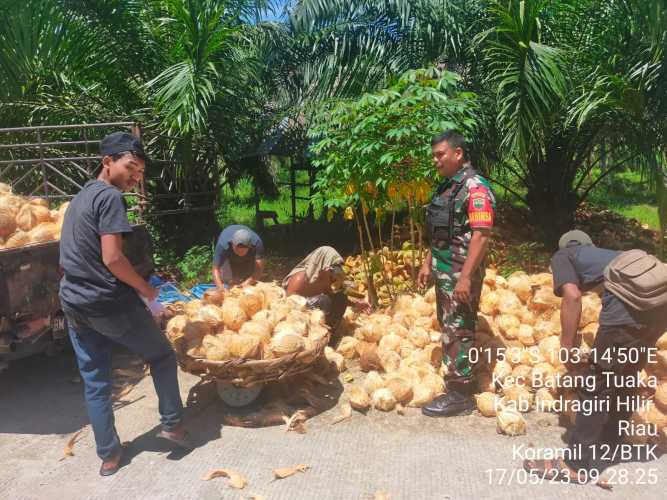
(275, 17)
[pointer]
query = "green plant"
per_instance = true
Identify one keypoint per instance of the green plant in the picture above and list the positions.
(195, 266)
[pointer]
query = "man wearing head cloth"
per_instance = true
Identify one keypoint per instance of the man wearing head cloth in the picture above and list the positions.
(619, 353)
(238, 258)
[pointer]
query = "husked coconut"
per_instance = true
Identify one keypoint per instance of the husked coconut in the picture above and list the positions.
(297, 302)
(508, 302)
(31, 215)
(7, 223)
(257, 328)
(251, 302)
(521, 374)
(300, 327)
(507, 323)
(544, 300)
(519, 397)
(430, 295)
(421, 395)
(373, 382)
(550, 348)
(18, 239)
(510, 422)
(590, 309)
(218, 347)
(214, 296)
(544, 400)
(5, 189)
(210, 314)
(488, 303)
(421, 307)
(359, 399)
(266, 315)
(526, 317)
(335, 358)
(317, 317)
(317, 332)
(487, 404)
(433, 354)
(424, 322)
(485, 382)
(397, 329)
(403, 304)
(405, 349)
(661, 396)
(390, 342)
(435, 336)
(661, 344)
(419, 337)
(192, 307)
(541, 279)
(280, 309)
(347, 347)
(433, 381)
(45, 231)
(520, 285)
(390, 360)
(501, 371)
(383, 400)
(272, 292)
(41, 202)
(526, 335)
(175, 326)
(543, 376)
(589, 332)
(286, 342)
(245, 346)
(404, 319)
(233, 315)
(400, 388)
(195, 331)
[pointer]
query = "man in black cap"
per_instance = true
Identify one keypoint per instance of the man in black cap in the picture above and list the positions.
(101, 297)
(619, 353)
(238, 258)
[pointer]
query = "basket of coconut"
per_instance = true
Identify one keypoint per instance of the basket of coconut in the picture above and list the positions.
(248, 336)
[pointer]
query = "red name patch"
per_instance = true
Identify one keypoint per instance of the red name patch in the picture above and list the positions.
(480, 211)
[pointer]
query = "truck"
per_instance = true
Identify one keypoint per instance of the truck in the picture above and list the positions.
(31, 318)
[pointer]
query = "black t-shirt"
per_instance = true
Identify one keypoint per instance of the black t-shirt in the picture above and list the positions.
(583, 265)
(87, 285)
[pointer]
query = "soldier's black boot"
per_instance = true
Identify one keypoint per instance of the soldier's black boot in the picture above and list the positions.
(450, 404)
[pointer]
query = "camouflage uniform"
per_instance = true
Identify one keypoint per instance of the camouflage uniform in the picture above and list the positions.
(473, 205)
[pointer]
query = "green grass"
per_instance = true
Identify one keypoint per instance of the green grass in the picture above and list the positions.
(237, 205)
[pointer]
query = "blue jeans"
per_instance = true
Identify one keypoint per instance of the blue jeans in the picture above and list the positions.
(92, 340)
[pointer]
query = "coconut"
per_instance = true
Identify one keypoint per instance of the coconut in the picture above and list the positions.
(175, 326)
(194, 331)
(272, 292)
(5, 188)
(31, 215)
(421, 307)
(251, 302)
(661, 357)
(433, 354)
(373, 382)
(535, 356)
(654, 416)
(347, 346)
(390, 342)
(213, 296)
(485, 323)
(501, 371)
(487, 404)
(383, 400)
(45, 231)
(317, 332)
(589, 332)
(192, 307)
(526, 317)
(425, 322)
(245, 346)
(521, 374)
(210, 314)
(400, 388)
(421, 396)
(233, 315)
(500, 282)
(18, 239)
(368, 356)
(661, 397)
(526, 335)
(359, 399)
(514, 353)
(335, 358)
(7, 223)
(419, 337)
(550, 348)
(266, 315)
(280, 309)
(544, 300)
(510, 422)
(661, 343)
(541, 279)
(378, 324)
(507, 323)
(317, 317)
(403, 303)
(508, 302)
(489, 303)
(518, 397)
(431, 380)
(286, 342)
(10, 204)
(218, 347)
(257, 328)
(297, 302)
(544, 400)
(429, 296)
(404, 319)
(520, 285)
(590, 309)
(298, 327)
(390, 360)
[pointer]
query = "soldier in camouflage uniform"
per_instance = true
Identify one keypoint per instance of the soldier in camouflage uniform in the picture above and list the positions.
(458, 224)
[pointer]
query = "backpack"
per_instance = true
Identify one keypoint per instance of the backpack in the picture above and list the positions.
(638, 279)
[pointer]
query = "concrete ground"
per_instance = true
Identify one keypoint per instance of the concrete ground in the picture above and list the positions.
(405, 457)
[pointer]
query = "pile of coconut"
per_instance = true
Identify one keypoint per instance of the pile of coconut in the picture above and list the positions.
(520, 365)
(254, 322)
(24, 221)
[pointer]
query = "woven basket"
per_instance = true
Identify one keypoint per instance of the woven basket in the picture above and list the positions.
(248, 372)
